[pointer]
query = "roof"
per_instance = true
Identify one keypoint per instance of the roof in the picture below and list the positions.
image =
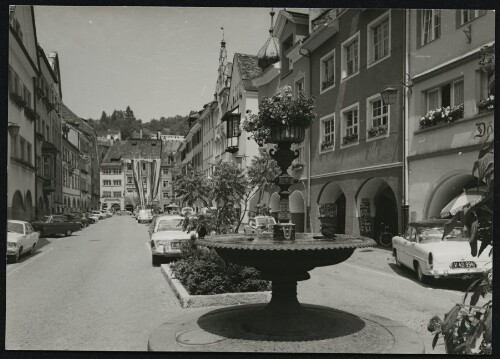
(249, 68)
(70, 117)
(134, 148)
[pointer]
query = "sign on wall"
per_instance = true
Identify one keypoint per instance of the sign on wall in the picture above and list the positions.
(365, 220)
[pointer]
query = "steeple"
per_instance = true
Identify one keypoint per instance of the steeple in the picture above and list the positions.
(270, 52)
(223, 65)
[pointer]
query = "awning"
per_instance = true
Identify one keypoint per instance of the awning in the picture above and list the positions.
(468, 197)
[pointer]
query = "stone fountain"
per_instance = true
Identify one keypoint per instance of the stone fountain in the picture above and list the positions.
(284, 257)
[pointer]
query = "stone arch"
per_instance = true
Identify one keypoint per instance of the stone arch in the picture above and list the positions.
(446, 188)
(274, 205)
(297, 206)
(29, 206)
(18, 211)
(78, 204)
(332, 194)
(376, 208)
(40, 208)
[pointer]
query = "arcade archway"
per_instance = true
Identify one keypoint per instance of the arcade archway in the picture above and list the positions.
(40, 208)
(18, 211)
(29, 206)
(274, 205)
(332, 206)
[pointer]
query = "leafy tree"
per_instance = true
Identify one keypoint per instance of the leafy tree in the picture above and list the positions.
(466, 328)
(191, 185)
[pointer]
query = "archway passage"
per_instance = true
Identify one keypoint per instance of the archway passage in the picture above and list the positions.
(297, 210)
(29, 207)
(18, 206)
(447, 191)
(332, 207)
(377, 208)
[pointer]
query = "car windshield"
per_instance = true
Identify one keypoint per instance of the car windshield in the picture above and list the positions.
(15, 227)
(265, 221)
(428, 235)
(173, 224)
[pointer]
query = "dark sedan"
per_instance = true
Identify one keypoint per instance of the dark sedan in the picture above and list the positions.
(56, 224)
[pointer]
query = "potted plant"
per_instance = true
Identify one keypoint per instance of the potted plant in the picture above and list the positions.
(30, 113)
(375, 131)
(350, 138)
(326, 145)
(327, 214)
(486, 104)
(281, 118)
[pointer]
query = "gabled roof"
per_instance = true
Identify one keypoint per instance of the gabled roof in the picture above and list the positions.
(249, 68)
(138, 148)
(70, 117)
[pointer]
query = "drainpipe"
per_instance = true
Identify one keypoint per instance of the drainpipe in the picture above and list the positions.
(308, 55)
(405, 206)
(35, 152)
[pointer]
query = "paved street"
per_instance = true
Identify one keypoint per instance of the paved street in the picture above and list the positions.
(97, 290)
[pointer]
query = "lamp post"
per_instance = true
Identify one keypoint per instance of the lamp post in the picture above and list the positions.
(389, 97)
(13, 129)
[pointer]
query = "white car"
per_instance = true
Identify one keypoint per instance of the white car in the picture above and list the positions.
(21, 238)
(259, 224)
(95, 217)
(167, 237)
(423, 250)
(187, 210)
(100, 214)
(145, 216)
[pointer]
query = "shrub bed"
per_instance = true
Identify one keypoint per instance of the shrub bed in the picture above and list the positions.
(202, 272)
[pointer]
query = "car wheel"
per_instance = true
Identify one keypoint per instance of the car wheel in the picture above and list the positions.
(18, 255)
(420, 275)
(68, 232)
(156, 260)
(398, 263)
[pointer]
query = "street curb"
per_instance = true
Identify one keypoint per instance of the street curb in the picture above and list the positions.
(195, 301)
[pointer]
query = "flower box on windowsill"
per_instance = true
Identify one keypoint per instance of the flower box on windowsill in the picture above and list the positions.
(444, 114)
(350, 139)
(487, 104)
(18, 100)
(326, 146)
(30, 114)
(376, 131)
(50, 107)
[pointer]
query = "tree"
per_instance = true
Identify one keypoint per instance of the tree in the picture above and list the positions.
(467, 328)
(191, 185)
(262, 171)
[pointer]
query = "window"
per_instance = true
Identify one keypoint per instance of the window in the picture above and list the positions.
(117, 194)
(117, 171)
(450, 94)
(469, 15)
(430, 25)
(350, 56)
(28, 152)
(327, 71)
(106, 194)
(165, 183)
(379, 40)
(143, 166)
(144, 180)
(129, 180)
(106, 182)
(350, 125)
(23, 144)
(129, 166)
(378, 117)
(27, 96)
(327, 129)
(166, 195)
(117, 182)
(164, 171)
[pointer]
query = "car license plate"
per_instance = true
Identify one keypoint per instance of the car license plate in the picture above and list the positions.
(468, 264)
(176, 244)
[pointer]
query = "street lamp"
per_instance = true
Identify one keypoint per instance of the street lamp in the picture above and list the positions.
(389, 95)
(13, 129)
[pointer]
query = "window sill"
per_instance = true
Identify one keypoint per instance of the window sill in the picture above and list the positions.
(375, 62)
(428, 42)
(326, 89)
(327, 150)
(378, 137)
(349, 77)
(350, 144)
(449, 124)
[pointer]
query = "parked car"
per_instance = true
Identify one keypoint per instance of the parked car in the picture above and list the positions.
(145, 216)
(108, 213)
(187, 210)
(56, 224)
(21, 238)
(259, 224)
(92, 217)
(77, 217)
(423, 250)
(167, 237)
(100, 214)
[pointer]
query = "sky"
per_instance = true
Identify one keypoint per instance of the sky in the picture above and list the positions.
(160, 61)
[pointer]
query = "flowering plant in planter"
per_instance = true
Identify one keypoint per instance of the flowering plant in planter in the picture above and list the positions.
(350, 138)
(18, 100)
(326, 145)
(486, 104)
(30, 113)
(377, 130)
(280, 110)
(442, 114)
